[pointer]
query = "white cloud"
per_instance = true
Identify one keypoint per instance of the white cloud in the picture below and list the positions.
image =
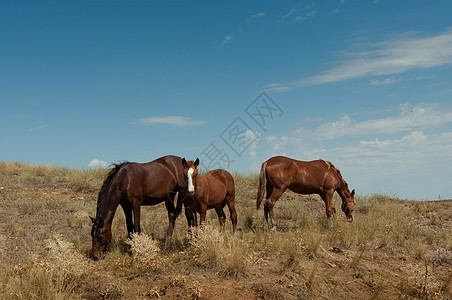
(226, 40)
(300, 14)
(271, 138)
(386, 81)
(276, 144)
(249, 136)
(171, 120)
(261, 14)
(385, 58)
(411, 117)
(38, 128)
(305, 16)
(97, 163)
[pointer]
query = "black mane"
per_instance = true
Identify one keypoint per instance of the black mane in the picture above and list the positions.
(106, 184)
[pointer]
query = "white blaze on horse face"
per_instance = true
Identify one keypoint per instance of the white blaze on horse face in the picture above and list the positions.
(191, 187)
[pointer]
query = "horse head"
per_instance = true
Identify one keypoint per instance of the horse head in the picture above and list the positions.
(348, 202)
(101, 237)
(190, 174)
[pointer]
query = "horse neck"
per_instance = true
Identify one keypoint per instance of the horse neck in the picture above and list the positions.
(107, 208)
(342, 189)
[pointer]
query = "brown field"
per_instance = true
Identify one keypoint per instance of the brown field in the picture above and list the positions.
(394, 249)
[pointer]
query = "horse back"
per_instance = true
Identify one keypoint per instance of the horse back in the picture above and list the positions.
(281, 171)
(150, 183)
(174, 165)
(304, 177)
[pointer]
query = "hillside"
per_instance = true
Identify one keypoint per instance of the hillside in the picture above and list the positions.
(394, 249)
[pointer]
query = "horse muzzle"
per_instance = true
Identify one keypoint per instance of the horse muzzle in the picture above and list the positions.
(94, 257)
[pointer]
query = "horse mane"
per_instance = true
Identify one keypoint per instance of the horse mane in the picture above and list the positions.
(332, 167)
(108, 179)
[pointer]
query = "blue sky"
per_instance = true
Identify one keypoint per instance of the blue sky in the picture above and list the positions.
(364, 84)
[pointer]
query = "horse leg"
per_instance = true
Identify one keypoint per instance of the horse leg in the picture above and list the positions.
(270, 203)
(190, 219)
(327, 197)
(221, 218)
(172, 214)
(136, 215)
(127, 208)
(269, 192)
(231, 205)
(203, 213)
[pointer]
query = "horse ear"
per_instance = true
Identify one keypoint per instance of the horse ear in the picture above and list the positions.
(353, 193)
(184, 162)
(196, 162)
(92, 219)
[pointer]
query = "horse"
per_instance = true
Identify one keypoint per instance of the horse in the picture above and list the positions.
(303, 177)
(131, 185)
(213, 190)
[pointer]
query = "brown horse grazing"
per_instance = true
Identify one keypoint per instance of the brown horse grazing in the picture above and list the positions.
(213, 190)
(132, 185)
(313, 177)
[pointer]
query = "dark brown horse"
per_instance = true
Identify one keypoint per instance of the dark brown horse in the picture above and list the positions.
(132, 185)
(213, 190)
(313, 177)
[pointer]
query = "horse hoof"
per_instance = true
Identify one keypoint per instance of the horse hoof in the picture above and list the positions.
(350, 219)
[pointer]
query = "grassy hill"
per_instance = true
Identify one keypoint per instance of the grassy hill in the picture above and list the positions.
(394, 249)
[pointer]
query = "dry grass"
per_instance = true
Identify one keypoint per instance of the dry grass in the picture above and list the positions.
(223, 252)
(394, 249)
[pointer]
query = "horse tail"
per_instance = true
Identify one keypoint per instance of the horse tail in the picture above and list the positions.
(262, 185)
(106, 184)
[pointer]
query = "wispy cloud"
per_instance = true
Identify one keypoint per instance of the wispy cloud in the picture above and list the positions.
(421, 116)
(240, 28)
(299, 14)
(261, 14)
(226, 40)
(97, 163)
(305, 16)
(391, 57)
(386, 81)
(171, 120)
(38, 128)
(385, 58)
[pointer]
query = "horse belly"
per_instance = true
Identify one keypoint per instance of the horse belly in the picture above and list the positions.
(304, 189)
(216, 198)
(151, 201)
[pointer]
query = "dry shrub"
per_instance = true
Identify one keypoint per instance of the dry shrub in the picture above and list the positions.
(64, 258)
(144, 250)
(222, 251)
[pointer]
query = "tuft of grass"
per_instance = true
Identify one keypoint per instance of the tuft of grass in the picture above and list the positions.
(222, 251)
(145, 251)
